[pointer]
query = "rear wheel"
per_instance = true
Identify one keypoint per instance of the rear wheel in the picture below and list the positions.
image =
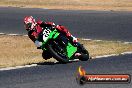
(58, 53)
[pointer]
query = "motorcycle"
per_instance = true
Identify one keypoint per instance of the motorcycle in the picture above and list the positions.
(58, 46)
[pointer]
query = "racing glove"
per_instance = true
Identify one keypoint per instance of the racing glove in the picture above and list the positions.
(73, 39)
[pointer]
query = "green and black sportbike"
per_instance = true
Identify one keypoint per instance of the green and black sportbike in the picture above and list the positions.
(58, 46)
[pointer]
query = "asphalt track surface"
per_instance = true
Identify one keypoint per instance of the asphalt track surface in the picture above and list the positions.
(49, 75)
(93, 24)
(103, 25)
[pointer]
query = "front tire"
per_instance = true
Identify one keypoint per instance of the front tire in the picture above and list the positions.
(84, 57)
(84, 53)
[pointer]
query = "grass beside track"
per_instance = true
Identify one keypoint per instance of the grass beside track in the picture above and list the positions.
(122, 5)
(20, 50)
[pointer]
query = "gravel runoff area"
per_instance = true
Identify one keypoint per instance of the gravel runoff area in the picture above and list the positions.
(20, 50)
(117, 5)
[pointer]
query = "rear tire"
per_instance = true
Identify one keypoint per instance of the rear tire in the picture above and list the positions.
(56, 55)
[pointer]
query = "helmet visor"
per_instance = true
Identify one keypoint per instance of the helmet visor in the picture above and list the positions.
(28, 26)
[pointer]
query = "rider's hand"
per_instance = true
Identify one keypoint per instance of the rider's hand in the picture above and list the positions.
(75, 40)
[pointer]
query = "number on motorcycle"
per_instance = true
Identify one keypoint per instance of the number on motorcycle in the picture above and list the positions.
(46, 34)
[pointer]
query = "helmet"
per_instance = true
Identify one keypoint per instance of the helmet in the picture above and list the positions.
(29, 23)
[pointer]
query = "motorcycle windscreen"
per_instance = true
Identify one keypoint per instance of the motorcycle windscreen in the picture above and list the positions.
(70, 50)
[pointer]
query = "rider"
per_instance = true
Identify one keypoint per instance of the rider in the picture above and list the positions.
(34, 28)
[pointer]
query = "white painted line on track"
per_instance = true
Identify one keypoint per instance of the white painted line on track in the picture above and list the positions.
(105, 56)
(126, 53)
(25, 35)
(18, 67)
(2, 33)
(91, 39)
(14, 34)
(109, 41)
(127, 42)
(87, 39)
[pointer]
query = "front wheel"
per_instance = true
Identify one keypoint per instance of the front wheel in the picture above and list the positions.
(84, 53)
(57, 54)
(84, 57)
